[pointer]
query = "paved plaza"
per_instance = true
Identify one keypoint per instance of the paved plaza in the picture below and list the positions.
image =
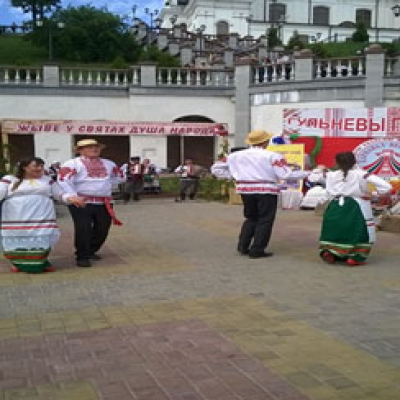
(172, 312)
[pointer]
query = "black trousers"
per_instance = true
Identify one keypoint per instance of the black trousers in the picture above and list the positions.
(259, 211)
(92, 224)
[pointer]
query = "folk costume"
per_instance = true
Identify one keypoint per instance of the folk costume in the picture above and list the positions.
(220, 170)
(348, 228)
(257, 172)
(190, 175)
(151, 182)
(29, 228)
(134, 171)
(91, 179)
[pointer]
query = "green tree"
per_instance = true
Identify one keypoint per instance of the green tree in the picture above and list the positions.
(162, 59)
(295, 41)
(37, 8)
(361, 33)
(89, 35)
(273, 38)
(320, 50)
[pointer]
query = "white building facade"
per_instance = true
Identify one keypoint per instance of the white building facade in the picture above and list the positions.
(317, 20)
(148, 94)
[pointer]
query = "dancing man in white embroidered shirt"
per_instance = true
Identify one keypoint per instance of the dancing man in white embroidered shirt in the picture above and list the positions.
(91, 178)
(257, 172)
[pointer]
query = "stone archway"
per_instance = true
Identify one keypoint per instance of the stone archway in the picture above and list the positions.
(200, 148)
(193, 118)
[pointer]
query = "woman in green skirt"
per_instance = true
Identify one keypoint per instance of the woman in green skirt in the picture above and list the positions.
(348, 228)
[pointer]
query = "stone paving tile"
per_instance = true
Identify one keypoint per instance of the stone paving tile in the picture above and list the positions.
(331, 332)
(64, 391)
(336, 367)
(107, 359)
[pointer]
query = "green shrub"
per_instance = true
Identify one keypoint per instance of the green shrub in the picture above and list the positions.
(22, 61)
(209, 188)
(169, 185)
(273, 38)
(337, 50)
(162, 59)
(213, 189)
(361, 33)
(392, 49)
(119, 62)
(295, 41)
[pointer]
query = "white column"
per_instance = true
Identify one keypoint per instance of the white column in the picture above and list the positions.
(53, 147)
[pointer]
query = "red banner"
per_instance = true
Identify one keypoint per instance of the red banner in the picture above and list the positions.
(114, 128)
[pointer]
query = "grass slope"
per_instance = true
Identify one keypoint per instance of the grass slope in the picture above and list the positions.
(14, 50)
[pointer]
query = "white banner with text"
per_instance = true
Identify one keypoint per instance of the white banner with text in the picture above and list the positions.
(114, 128)
(342, 122)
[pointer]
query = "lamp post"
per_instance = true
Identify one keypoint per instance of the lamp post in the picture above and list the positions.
(248, 20)
(151, 14)
(51, 25)
(396, 11)
(200, 32)
(315, 38)
(280, 24)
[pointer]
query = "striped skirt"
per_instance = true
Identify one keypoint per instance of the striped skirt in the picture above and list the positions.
(29, 254)
(30, 261)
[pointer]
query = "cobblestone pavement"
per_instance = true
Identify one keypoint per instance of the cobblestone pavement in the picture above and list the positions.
(172, 312)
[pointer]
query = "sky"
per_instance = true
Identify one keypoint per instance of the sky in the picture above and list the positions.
(9, 14)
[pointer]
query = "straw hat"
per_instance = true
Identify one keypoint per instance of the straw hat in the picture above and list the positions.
(258, 137)
(88, 142)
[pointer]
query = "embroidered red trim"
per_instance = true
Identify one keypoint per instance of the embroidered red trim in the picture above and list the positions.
(28, 227)
(280, 163)
(257, 189)
(66, 173)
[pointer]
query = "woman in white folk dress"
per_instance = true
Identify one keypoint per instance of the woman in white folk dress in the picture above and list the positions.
(29, 228)
(348, 228)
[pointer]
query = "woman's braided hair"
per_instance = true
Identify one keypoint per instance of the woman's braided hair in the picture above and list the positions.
(345, 161)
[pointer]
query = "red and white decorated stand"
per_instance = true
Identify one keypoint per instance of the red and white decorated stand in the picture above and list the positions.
(327, 131)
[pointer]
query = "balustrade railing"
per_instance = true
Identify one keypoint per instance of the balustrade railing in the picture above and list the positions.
(340, 68)
(390, 67)
(99, 77)
(195, 77)
(10, 75)
(271, 73)
(247, 41)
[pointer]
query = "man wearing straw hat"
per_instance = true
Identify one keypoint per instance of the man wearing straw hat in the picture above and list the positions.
(257, 172)
(91, 178)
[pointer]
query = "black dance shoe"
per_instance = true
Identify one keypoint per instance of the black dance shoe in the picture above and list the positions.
(261, 255)
(83, 263)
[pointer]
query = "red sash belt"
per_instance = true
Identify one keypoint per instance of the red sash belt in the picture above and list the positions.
(107, 203)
